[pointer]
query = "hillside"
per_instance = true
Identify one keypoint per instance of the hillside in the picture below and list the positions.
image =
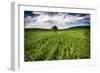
(45, 44)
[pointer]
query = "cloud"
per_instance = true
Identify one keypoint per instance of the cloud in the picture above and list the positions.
(49, 19)
(38, 12)
(27, 20)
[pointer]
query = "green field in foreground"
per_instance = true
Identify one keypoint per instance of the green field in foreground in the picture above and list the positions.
(46, 44)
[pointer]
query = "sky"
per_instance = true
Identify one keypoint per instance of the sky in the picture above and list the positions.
(63, 20)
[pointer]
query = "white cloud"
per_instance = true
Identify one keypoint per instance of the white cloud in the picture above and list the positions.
(27, 20)
(45, 20)
(38, 12)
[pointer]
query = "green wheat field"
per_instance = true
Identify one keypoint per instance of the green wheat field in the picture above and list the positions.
(61, 44)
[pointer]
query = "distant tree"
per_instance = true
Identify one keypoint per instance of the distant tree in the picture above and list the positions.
(54, 28)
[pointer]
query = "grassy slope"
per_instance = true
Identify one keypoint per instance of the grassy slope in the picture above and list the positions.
(42, 44)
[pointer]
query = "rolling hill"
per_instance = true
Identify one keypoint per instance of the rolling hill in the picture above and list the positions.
(64, 44)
